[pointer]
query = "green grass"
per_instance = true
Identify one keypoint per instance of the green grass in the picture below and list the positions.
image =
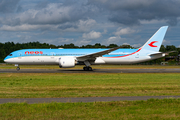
(38, 85)
(48, 85)
(10, 66)
(152, 109)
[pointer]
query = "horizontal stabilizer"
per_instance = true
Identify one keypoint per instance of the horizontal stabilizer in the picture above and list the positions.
(160, 53)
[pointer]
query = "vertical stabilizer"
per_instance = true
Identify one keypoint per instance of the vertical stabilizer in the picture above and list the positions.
(154, 43)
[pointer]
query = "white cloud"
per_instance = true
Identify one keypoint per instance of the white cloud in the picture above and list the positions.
(113, 40)
(81, 26)
(25, 27)
(137, 45)
(105, 31)
(166, 42)
(52, 14)
(124, 31)
(82, 42)
(126, 44)
(60, 41)
(87, 23)
(65, 21)
(91, 35)
(154, 21)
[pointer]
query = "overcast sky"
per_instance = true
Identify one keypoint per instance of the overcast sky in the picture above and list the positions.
(85, 22)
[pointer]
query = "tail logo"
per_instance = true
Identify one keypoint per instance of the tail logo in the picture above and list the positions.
(151, 44)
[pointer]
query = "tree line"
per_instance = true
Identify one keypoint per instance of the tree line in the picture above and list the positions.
(8, 47)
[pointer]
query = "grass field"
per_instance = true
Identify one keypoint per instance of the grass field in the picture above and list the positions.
(10, 66)
(37, 85)
(48, 85)
(152, 109)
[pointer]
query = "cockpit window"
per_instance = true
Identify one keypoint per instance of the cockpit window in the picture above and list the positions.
(10, 54)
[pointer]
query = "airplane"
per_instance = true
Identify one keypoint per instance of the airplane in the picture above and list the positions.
(68, 58)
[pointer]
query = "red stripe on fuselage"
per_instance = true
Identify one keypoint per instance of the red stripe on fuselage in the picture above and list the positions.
(126, 55)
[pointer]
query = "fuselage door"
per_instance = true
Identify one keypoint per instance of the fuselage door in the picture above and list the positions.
(137, 55)
(52, 54)
(19, 55)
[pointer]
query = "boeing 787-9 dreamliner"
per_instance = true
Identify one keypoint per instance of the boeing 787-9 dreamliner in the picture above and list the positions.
(67, 58)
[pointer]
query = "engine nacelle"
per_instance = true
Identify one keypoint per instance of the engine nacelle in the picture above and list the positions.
(67, 62)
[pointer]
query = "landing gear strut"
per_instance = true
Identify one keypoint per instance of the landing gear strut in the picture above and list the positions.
(18, 68)
(87, 67)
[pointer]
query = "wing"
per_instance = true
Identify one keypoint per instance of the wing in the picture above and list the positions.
(93, 56)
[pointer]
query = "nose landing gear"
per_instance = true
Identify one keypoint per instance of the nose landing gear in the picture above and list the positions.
(18, 68)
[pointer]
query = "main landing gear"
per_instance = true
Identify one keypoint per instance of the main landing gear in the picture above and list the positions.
(18, 68)
(87, 67)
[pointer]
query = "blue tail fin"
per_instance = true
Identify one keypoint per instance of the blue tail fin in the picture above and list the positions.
(154, 43)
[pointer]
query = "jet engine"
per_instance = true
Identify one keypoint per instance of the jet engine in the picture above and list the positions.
(67, 62)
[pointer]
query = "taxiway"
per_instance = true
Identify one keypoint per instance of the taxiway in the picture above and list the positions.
(84, 99)
(94, 71)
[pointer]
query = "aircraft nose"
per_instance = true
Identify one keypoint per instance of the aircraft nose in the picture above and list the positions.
(7, 60)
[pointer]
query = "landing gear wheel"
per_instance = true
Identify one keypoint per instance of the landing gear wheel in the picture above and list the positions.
(18, 68)
(87, 68)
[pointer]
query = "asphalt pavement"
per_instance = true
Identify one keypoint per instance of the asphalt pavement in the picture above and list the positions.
(82, 99)
(93, 71)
